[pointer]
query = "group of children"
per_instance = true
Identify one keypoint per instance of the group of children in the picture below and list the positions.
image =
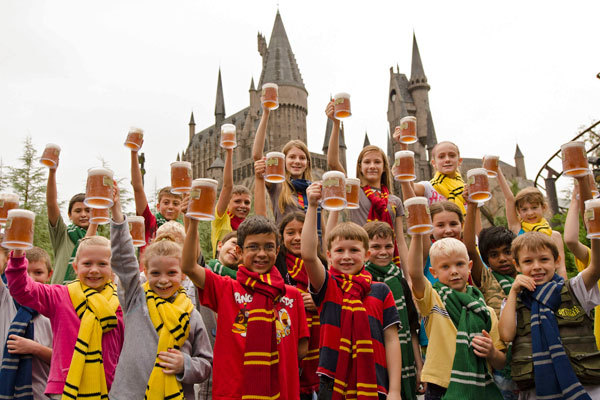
(308, 304)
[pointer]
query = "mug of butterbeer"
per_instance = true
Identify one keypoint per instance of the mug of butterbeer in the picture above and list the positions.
(134, 139)
(352, 193)
(270, 96)
(181, 177)
(491, 165)
(574, 159)
(593, 186)
(18, 232)
(50, 155)
(99, 188)
(228, 140)
(137, 230)
(418, 218)
(341, 106)
(8, 201)
(333, 196)
(202, 199)
(275, 167)
(408, 130)
(404, 167)
(100, 216)
(591, 216)
(478, 185)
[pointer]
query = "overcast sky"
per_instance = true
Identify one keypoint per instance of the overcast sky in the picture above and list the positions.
(80, 73)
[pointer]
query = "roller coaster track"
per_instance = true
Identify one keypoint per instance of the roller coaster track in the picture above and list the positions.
(553, 167)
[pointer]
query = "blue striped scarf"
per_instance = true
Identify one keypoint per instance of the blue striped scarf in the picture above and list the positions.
(554, 376)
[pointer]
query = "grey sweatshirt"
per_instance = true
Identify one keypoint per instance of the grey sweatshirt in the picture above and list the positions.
(141, 340)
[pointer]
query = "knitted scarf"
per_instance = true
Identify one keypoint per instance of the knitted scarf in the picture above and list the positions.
(470, 378)
(355, 369)
(554, 375)
(76, 233)
(505, 281)
(15, 373)
(379, 211)
(97, 312)
(451, 188)
(542, 226)
(215, 266)
(172, 323)
(162, 220)
(234, 221)
(309, 380)
(300, 186)
(261, 356)
(391, 275)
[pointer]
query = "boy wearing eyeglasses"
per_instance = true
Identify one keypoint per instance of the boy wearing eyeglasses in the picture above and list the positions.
(262, 324)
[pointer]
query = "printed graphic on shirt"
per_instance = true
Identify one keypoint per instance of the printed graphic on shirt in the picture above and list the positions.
(241, 320)
(283, 323)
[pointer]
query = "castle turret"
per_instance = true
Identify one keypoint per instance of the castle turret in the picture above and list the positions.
(192, 126)
(219, 103)
(366, 142)
(520, 163)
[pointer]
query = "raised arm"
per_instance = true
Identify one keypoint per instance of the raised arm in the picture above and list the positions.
(260, 199)
(509, 202)
(259, 138)
(415, 266)
(190, 254)
(333, 151)
(562, 268)
(52, 198)
(141, 202)
(227, 188)
(591, 274)
(571, 233)
(402, 247)
(469, 240)
(310, 239)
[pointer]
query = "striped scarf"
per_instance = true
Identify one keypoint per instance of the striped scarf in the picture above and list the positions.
(215, 266)
(160, 219)
(451, 188)
(554, 375)
(76, 233)
(97, 311)
(234, 221)
(355, 369)
(470, 378)
(542, 226)
(172, 323)
(15, 373)
(261, 356)
(391, 275)
(505, 281)
(379, 212)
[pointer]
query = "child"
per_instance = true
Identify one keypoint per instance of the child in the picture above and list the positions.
(360, 352)
(262, 325)
(26, 337)
(226, 263)
(525, 213)
(380, 265)
(85, 315)
(462, 330)
(550, 318)
(166, 348)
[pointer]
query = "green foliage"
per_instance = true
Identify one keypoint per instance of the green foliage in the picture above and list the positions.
(500, 221)
(204, 239)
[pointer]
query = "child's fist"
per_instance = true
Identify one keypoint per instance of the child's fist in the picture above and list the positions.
(171, 361)
(523, 282)
(260, 167)
(482, 345)
(313, 192)
(329, 110)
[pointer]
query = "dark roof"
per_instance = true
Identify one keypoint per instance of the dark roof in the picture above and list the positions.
(220, 101)
(252, 84)
(366, 142)
(416, 71)
(404, 94)
(518, 153)
(192, 122)
(218, 163)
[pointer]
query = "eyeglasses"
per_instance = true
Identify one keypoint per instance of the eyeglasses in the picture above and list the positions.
(254, 248)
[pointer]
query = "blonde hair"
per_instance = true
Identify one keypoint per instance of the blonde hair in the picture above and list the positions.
(164, 245)
(172, 229)
(534, 241)
(91, 241)
(444, 142)
(530, 195)
(447, 247)
(166, 191)
(348, 231)
(449, 206)
(386, 176)
(285, 198)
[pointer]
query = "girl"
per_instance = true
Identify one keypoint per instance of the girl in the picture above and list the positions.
(166, 347)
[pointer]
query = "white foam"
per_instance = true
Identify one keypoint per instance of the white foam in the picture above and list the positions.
(476, 171)
(274, 154)
(134, 129)
(53, 146)
(270, 85)
(100, 171)
(408, 118)
(19, 213)
(591, 203)
(333, 174)
(184, 164)
(572, 144)
(353, 181)
(226, 128)
(404, 153)
(9, 197)
(491, 157)
(204, 182)
(416, 201)
(341, 95)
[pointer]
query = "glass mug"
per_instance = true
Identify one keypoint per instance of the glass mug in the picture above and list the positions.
(418, 217)
(479, 185)
(137, 230)
(341, 106)
(203, 198)
(333, 196)
(134, 140)
(574, 159)
(275, 167)
(228, 139)
(50, 155)
(352, 193)
(8, 201)
(270, 96)
(18, 232)
(99, 188)
(181, 177)
(404, 166)
(408, 130)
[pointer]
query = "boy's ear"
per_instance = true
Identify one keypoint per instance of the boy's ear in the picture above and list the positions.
(367, 255)
(219, 245)
(460, 160)
(239, 250)
(470, 265)
(328, 256)
(433, 272)
(516, 264)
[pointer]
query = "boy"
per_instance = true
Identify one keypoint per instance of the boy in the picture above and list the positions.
(549, 318)
(30, 334)
(360, 352)
(232, 207)
(381, 266)
(227, 258)
(262, 325)
(462, 330)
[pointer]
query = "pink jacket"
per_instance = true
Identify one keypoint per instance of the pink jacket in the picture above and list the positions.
(54, 302)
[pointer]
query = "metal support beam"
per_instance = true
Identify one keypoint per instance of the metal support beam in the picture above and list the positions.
(550, 183)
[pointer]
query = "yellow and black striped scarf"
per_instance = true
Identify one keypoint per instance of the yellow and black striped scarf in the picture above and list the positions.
(451, 188)
(542, 226)
(97, 311)
(172, 323)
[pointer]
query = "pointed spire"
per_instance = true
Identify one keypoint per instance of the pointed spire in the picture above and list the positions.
(220, 101)
(417, 71)
(252, 84)
(178, 158)
(192, 122)
(366, 142)
(518, 153)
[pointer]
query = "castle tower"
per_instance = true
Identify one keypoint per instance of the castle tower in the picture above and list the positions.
(520, 163)
(366, 142)
(192, 126)
(219, 104)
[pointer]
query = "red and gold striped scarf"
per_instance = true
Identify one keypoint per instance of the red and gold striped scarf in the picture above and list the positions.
(234, 221)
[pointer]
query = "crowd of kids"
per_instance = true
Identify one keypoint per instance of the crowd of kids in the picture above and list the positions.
(297, 302)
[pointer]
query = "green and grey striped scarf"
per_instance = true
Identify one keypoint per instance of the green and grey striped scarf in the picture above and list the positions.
(215, 266)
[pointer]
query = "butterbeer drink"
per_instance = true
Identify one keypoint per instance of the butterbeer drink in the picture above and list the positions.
(228, 140)
(404, 166)
(341, 106)
(99, 189)
(134, 139)
(181, 177)
(18, 232)
(8, 201)
(408, 130)
(574, 159)
(100, 216)
(334, 191)
(418, 218)
(270, 96)
(203, 198)
(591, 217)
(593, 186)
(137, 230)
(50, 155)
(352, 193)
(275, 169)
(478, 185)
(491, 165)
